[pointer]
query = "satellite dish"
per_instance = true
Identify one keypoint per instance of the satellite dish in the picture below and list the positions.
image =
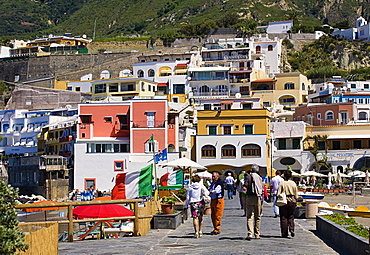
(238, 95)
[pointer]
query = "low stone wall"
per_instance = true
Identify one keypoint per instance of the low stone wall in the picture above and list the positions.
(345, 240)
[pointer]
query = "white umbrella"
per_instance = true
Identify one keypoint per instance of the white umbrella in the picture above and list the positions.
(204, 174)
(295, 174)
(312, 173)
(339, 179)
(342, 175)
(357, 173)
(183, 163)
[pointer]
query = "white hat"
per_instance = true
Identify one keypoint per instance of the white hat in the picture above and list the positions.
(229, 173)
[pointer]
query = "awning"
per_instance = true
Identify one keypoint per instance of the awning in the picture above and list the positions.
(227, 102)
(357, 136)
(243, 71)
(181, 65)
(165, 71)
(162, 84)
(264, 80)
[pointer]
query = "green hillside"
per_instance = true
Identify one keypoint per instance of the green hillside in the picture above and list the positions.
(113, 18)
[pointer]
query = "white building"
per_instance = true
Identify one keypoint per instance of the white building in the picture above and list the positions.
(279, 27)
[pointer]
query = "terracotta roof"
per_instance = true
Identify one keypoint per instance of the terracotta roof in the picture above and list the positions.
(264, 80)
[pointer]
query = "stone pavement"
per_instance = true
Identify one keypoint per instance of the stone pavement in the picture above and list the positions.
(230, 241)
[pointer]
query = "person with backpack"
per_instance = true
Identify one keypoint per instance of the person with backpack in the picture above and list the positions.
(254, 187)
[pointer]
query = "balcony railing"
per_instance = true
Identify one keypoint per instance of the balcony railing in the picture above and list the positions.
(148, 124)
(212, 93)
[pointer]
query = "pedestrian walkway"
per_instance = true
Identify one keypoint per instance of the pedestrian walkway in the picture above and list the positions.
(230, 241)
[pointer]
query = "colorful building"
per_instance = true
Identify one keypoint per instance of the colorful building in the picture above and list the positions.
(115, 137)
(231, 140)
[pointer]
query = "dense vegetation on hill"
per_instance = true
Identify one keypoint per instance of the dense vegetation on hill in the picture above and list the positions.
(112, 18)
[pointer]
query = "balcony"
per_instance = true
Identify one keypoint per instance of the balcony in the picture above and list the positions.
(211, 93)
(65, 139)
(148, 124)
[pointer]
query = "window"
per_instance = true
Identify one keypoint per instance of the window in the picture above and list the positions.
(228, 151)
(296, 143)
(336, 145)
(142, 86)
(329, 115)
(258, 49)
(366, 86)
(353, 86)
(289, 85)
(321, 145)
(171, 148)
(151, 146)
(282, 143)
(362, 116)
(78, 88)
(319, 116)
(86, 118)
(113, 87)
(123, 121)
(150, 118)
(227, 130)
(118, 165)
(90, 183)
(151, 73)
(69, 88)
(178, 88)
(175, 99)
(247, 106)
(212, 130)
(121, 148)
(357, 144)
(207, 106)
(208, 151)
(140, 74)
(108, 119)
(251, 150)
(270, 48)
(100, 88)
(103, 148)
(248, 129)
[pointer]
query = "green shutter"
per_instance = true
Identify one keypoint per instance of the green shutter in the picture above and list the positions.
(296, 143)
(282, 144)
(212, 130)
(248, 129)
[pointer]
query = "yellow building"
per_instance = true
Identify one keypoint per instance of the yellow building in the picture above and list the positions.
(124, 87)
(233, 140)
(287, 89)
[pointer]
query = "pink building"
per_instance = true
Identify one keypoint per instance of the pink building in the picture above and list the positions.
(325, 114)
(114, 138)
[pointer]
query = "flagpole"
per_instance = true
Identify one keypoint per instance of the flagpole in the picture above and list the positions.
(155, 170)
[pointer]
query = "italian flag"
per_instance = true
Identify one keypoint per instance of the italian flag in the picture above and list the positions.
(134, 184)
(171, 179)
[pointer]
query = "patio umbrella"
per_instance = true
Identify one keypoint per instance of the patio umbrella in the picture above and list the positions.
(356, 174)
(312, 173)
(204, 174)
(42, 209)
(342, 175)
(329, 178)
(101, 211)
(183, 163)
(295, 174)
(102, 198)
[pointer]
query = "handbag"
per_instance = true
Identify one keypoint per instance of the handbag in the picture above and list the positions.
(281, 199)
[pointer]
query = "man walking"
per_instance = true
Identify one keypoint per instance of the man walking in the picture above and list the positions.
(254, 187)
(230, 183)
(274, 185)
(217, 202)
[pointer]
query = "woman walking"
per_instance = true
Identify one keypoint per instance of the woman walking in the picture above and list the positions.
(194, 198)
(286, 212)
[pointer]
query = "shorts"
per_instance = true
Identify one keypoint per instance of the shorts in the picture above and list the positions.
(197, 209)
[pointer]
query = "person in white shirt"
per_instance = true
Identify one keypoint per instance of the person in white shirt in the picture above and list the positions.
(230, 182)
(274, 185)
(194, 198)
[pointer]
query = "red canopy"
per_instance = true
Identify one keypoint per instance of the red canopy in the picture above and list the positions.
(101, 211)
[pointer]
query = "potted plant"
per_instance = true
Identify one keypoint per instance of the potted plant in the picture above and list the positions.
(168, 204)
